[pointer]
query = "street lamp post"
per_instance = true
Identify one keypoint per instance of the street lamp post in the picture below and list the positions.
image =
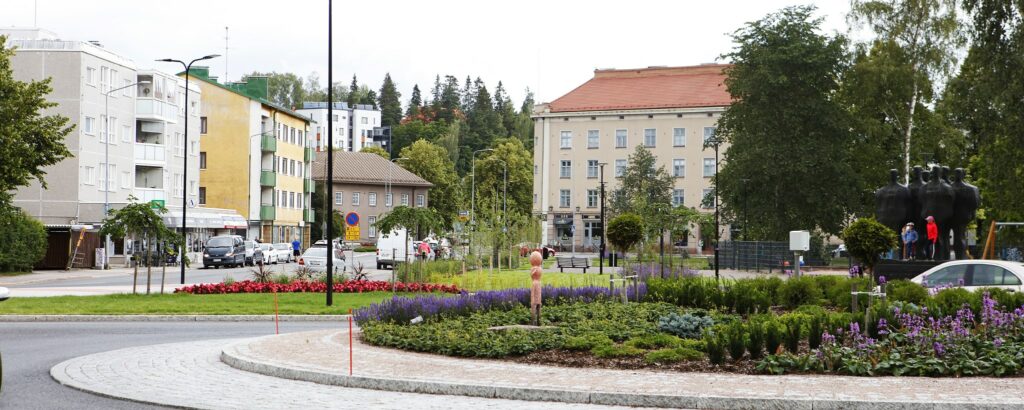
(184, 178)
(106, 157)
(746, 235)
(600, 267)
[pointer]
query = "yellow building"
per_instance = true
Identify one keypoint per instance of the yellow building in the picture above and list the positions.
(253, 158)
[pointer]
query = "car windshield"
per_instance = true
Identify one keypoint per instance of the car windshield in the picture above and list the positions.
(315, 253)
(221, 242)
(283, 246)
(265, 246)
(249, 244)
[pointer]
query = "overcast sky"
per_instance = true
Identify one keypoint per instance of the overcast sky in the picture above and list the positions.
(549, 46)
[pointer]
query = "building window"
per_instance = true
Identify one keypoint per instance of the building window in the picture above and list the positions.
(709, 132)
(178, 189)
(104, 79)
(179, 144)
(192, 187)
(90, 126)
(677, 197)
(592, 168)
(566, 140)
(291, 200)
(709, 167)
(650, 137)
(339, 198)
(126, 133)
(87, 175)
(202, 160)
(126, 180)
(373, 229)
(592, 198)
(421, 200)
(620, 138)
(563, 198)
(291, 168)
(405, 200)
(107, 183)
(202, 195)
(387, 199)
(298, 199)
(372, 198)
(679, 137)
(113, 130)
(709, 199)
(127, 89)
(90, 76)
(566, 170)
(593, 138)
(363, 120)
(620, 168)
(103, 128)
(202, 125)
(679, 168)
(355, 199)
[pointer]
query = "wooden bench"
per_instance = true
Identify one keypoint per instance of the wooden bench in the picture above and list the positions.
(572, 262)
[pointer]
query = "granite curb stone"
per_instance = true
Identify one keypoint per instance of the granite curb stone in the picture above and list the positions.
(171, 318)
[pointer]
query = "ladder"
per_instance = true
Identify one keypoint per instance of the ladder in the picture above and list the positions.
(77, 259)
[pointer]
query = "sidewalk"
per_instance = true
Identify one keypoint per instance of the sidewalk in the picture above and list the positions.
(53, 275)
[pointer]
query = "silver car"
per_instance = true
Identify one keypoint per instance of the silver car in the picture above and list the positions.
(974, 274)
(315, 258)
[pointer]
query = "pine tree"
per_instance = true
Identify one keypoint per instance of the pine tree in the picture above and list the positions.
(415, 102)
(449, 101)
(353, 92)
(468, 95)
(484, 122)
(503, 106)
(390, 103)
(435, 93)
(370, 98)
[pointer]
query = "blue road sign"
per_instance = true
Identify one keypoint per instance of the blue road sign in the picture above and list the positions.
(352, 218)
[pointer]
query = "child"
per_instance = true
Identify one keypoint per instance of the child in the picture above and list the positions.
(909, 239)
(933, 236)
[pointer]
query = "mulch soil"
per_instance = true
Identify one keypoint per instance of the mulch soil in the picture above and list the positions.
(569, 358)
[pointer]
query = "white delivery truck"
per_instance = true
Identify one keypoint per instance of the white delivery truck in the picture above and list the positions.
(394, 247)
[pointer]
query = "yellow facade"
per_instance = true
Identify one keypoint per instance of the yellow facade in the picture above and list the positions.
(288, 216)
(227, 126)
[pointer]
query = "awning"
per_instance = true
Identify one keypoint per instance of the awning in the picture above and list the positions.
(206, 218)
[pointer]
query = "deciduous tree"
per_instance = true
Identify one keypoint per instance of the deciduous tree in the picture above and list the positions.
(431, 162)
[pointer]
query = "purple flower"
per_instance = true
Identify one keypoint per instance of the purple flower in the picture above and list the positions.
(997, 342)
(827, 339)
(939, 349)
(881, 280)
(883, 327)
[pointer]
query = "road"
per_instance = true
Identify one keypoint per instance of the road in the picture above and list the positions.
(31, 349)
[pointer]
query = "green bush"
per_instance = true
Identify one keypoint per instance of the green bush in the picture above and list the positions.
(24, 241)
(587, 341)
(792, 333)
(772, 336)
(814, 330)
(615, 350)
(686, 326)
(666, 356)
(282, 279)
(654, 341)
(695, 344)
(745, 297)
(906, 291)
(798, 291)
(737, 339)
(698, 292)
(366, 249)
(949, 301)
(866, 239)
(714, 347)
(755, 339)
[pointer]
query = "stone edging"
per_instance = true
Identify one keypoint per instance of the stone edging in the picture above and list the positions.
(57, 373)
(235, 356)
(171, 318)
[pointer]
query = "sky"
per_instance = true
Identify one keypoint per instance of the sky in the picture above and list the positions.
(549, 46)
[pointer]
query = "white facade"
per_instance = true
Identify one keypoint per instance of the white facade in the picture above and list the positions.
(353, 127)
(160, 143)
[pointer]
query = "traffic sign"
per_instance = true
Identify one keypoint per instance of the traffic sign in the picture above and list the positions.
(352, 219)
(352, 233)
(157, 203)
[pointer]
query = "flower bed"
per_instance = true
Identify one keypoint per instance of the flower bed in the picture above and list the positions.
(353, 286)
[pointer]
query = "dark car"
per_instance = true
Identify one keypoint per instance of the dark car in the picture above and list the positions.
(228, 250)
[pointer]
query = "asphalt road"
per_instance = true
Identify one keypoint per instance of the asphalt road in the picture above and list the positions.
(31, 349)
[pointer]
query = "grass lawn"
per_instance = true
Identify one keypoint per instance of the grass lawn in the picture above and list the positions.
(14, 273)
(186, 304)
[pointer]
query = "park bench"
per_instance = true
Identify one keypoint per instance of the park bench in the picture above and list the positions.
(572, 262)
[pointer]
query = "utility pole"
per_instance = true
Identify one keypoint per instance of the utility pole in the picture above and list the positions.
(330, 158)
(600, 266)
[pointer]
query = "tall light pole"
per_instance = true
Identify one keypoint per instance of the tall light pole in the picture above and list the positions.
(746, 236)
(106, 156)
(472, 201)
(600, 267)
(715, 141)
(330, 155)
(184, 178)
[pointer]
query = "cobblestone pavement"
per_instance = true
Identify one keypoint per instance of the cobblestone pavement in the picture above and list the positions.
(326, 352)
(191, 375)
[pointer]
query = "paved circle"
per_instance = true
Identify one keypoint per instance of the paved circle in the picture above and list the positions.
(191, 375)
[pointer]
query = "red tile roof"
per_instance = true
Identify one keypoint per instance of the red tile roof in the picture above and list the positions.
(647, 88)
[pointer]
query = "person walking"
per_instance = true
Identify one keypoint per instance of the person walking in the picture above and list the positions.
(909, 239)
(296, 245)
(933, 236)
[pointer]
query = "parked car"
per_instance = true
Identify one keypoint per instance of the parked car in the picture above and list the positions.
(225, 250)
(839, 251)
(4, 294)
(392, 247)
(315, 258)
(253, 253)
(974, 274)
(269, 253)
(284, 252)
(339, 249)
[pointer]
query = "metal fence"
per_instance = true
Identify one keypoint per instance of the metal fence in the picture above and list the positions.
(754, 255)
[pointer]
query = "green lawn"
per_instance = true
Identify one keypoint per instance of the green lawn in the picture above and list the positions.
(14, 273)
(186, 304)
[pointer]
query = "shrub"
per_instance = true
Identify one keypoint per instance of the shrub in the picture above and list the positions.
(262, 274)
(814, 330)
(948, 301)
(906, 291)
(366, 249)
(686, 326)
(228, 280)
(282, 279)
(737, 339)
(625, 230)
(587, 341)
(303, 273)
(772, 336)
(866, 239)
(755, 339)
(798, 291)
(679, 354)
(698, 292)
(654, 341)
(615, 350)
(714, 347)
(744, 297)
(791, 335)
(695, 344)
(23, 238)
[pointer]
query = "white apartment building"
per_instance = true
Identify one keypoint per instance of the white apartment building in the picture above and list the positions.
(353, 126)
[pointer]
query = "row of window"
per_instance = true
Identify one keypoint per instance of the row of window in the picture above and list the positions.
(621, 138)
(290, 135)
(289, 167)
(108, 79)
(678, 168)
(287, 199)
(593, 198)
(91, 175)
(109, 133)
(371, 199)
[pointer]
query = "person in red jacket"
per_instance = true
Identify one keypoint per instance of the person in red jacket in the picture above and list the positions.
(933, 236)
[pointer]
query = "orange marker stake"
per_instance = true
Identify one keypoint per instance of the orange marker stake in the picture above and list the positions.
(350, 341)
(277, 328)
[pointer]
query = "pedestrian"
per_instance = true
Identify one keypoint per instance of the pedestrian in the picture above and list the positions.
(933, 236)
(424, 249)
(295, 248)
(909, 239)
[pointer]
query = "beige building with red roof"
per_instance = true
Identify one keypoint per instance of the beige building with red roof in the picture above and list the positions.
(670, 110)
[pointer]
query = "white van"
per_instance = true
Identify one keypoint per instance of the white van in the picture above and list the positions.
(393, 247)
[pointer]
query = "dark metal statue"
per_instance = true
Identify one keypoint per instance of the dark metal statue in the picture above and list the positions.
(917, 180)
(965, 208)
(937, 198)
(893, 203)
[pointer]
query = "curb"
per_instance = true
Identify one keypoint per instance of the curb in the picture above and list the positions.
(171, 318)
(57, 374)
(234, 355)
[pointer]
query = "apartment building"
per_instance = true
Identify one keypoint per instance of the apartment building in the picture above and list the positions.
(370, 186)
(253, 158)
(669, 110)
(353, 126)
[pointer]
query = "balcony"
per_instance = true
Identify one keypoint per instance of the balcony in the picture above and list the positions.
(308, 215)
(268, 143)
(150, 154)
(149, 194)
(308, 186)
(154, 109)
(268, 178)
(268, 212)
(310, 156)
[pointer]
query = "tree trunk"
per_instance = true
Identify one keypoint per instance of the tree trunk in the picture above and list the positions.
(906, 138)
(149, 265)
(135, 276)
(163, 275)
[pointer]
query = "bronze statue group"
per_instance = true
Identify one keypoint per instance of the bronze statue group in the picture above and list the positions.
(934, 204)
